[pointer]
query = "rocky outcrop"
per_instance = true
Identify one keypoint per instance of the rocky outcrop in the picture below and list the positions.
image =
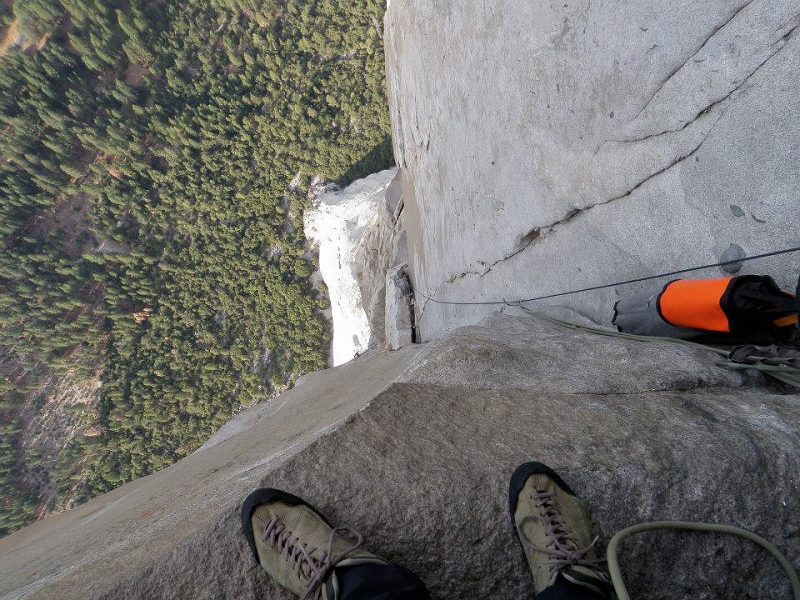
(51, 428)
(547, 147)
(414, 449)
(361, 238)
(337, 223)
(399, 309)
(380, 265)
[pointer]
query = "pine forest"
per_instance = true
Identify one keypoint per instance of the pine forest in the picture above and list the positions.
(155, 161)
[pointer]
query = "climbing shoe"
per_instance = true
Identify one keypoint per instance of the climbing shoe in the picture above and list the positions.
(297, 546)
(555, 530)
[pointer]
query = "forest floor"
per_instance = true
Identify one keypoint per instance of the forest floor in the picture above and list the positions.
(33, 47)
(53, 416)
(8, 36)
(134, 75)
(70, 222)
(72, 217)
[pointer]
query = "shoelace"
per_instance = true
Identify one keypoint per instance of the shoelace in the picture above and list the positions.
(301, 559)
(562, 548)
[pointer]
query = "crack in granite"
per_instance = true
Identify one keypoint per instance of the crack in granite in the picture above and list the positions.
(781, 44)
(695, 53)
(539, 233)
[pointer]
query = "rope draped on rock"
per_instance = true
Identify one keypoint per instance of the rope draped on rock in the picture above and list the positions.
(617, 284)
(763, 359)
(613, 545)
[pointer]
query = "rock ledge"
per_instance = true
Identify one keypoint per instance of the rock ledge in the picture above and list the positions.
(414, 449)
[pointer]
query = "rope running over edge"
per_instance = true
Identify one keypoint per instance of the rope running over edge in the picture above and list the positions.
(611, 285)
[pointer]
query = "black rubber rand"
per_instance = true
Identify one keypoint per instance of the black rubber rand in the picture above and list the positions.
(262, 496)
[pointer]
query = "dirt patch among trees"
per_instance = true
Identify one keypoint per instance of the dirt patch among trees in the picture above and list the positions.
(8, 37)
(134, 75)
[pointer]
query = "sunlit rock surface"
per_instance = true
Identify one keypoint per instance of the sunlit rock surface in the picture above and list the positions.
(414, 449)
(337, 223)
(548, 146)
(363, 256)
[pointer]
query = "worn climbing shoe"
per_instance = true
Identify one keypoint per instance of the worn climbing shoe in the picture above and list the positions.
(555, 530)
(297, 546)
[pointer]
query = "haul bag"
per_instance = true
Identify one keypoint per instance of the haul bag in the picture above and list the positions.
(749, 308)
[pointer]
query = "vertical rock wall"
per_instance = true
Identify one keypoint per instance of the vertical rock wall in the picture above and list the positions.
(361, 238)
(552, 146)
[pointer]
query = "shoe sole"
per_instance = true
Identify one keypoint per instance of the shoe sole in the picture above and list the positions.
(263, 496)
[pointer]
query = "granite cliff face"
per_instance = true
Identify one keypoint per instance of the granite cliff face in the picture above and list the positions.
(547, 147)
(541, 147)
(360, 234)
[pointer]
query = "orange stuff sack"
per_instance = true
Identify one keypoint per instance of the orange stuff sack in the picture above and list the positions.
(696, 304)
(744, 309)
